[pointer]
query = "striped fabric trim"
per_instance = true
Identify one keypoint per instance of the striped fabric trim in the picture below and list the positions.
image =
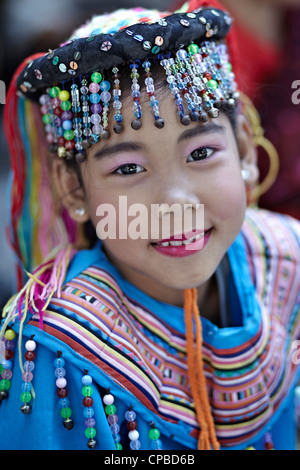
(147, 357)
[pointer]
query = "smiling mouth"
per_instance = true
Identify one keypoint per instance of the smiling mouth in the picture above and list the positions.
(184, 240)
(179, 242)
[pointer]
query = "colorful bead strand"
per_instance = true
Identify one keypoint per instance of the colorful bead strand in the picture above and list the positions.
(133, 433)
(268, 441)
(88, 411)
(172, 78)
(112, 418)
(117, 105)
(154, 435)
(27, 376)
(86, 120)
(154, 103)
(61, 384)
(135, 92)
(7, 364)
(105, 97)
(77, 123)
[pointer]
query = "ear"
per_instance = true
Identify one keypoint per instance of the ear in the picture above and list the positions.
(247, 150)
(70, 191)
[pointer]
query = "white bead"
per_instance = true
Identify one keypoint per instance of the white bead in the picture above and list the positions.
(108, 399)
(133, 435)
(30, 345)
(61, 382)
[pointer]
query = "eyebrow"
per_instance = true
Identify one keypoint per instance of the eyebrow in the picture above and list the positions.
(134, 146)
(117, 148)
(209, 128)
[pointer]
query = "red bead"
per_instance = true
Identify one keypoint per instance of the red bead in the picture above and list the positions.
(131, 425)
(29, 356)
(87, 401)
(269, 445)
(69, 144)
(57, 111)
(62, 392)
(61, 141)
(8, 354)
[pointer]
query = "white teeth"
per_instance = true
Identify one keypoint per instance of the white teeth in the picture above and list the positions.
(181, 242)
(175, 243)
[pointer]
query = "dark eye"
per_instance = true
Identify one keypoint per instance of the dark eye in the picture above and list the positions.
(200, 154)
(129, 169)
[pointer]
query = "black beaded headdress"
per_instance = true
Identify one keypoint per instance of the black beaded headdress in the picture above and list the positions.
(71, 97)
(71, 83)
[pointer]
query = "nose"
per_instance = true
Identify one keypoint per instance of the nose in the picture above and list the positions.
(176, 188)
(178, 209)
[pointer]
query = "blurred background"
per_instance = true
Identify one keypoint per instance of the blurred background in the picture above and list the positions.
(268, 34)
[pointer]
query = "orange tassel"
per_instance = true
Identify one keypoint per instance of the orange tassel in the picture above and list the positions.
(207, 437)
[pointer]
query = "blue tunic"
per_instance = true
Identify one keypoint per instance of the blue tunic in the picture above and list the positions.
(249, 367)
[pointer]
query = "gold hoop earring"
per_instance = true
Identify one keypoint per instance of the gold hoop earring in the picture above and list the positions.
(260, 140)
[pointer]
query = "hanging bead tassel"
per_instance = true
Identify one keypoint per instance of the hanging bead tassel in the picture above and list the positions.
(105, 97)
(133, 434)
(62, 392)
(135, 92)
(154, 103)
(77, 123)
(117, 105)
(268, 441)
(95, 106)
(154, 435)
(27, 376)
(112, 418)
(176, 85)
(86, 120)
(6, 363)
(88, 411)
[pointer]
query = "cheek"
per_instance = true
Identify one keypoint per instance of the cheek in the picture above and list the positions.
(228, 195)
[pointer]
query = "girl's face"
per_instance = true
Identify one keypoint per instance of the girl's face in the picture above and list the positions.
(187, 166)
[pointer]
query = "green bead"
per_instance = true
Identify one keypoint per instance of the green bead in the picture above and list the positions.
(90, 433)
(212, 84)
(154, 434)
(110, 409)
(119, 446)
(65, 105)
(96, 77)
(46, 118)
(4, 384)
(1, 368)
(66, 412)
(54, 91)
(229, 67)
(25, 397)
(69, 135)
(87, 391)
(193, 48)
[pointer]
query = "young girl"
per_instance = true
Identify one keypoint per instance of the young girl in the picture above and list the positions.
(103, 346)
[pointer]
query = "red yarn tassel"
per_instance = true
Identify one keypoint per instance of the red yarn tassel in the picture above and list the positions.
(17, 159)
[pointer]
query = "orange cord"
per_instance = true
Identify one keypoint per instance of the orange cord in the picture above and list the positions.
(207, 437)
